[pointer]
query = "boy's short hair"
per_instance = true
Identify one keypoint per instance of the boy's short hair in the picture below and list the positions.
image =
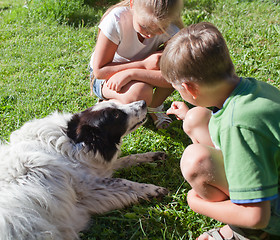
(197, 53)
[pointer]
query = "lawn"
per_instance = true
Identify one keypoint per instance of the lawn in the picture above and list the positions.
(44, 54)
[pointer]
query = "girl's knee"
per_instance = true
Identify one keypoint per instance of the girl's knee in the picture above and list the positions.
(139, 91)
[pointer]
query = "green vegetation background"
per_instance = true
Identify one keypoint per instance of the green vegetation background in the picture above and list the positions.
(45, 47)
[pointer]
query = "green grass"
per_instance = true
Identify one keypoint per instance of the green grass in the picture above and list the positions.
(43, 68)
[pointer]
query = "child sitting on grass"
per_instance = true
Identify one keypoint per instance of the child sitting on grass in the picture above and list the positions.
(125, 62)
(233, 163)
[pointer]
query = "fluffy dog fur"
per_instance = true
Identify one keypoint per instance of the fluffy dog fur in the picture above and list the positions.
(56, 171)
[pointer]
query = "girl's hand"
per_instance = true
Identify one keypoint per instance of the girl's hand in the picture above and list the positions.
(179, 109)
(118, 80)
(152, 62)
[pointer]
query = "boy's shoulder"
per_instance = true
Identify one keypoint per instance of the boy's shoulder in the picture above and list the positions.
(256, 94)
(252, 105)
(255, 104)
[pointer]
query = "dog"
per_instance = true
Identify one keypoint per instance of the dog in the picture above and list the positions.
(56, 171)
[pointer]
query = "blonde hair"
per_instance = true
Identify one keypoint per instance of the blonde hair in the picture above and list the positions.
(199, 54)
(157, 10)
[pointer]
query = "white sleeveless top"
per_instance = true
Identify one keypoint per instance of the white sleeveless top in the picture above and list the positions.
(117, 26)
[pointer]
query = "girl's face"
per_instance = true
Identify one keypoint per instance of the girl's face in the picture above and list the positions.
(145, 28)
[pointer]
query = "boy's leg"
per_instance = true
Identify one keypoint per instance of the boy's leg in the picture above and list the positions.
(131, 92)
(196, 125)
(202, 166)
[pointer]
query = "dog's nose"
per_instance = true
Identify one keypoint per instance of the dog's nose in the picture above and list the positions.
(143, 104)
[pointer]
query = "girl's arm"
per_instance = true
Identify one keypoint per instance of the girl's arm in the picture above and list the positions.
(251, 215)
(152, 77)
(104, 68)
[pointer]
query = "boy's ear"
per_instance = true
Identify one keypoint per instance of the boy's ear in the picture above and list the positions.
(131, 3)
(191, 88)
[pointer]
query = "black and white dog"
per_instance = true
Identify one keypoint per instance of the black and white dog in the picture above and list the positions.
(56, 171)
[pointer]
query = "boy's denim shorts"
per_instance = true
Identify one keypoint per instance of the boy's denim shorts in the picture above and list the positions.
(97, 85)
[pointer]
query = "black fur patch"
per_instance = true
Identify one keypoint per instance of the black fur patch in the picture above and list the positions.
(100, 130)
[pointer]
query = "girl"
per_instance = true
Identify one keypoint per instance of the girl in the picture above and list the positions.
(125, 62)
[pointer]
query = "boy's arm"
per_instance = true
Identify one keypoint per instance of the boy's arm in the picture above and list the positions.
(253, 215)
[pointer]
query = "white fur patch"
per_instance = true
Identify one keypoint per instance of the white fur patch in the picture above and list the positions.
(49, 185)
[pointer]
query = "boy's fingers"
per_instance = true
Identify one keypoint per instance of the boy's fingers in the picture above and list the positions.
(170, 111)
(175, 105)
(173, 111)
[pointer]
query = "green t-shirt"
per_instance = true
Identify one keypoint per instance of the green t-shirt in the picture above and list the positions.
(247, 130)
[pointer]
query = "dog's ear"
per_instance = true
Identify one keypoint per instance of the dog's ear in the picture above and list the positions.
(72, 127)
(79, 132)
(88, 135)
(97, 140)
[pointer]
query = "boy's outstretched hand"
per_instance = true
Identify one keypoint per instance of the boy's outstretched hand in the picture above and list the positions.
(179, 109)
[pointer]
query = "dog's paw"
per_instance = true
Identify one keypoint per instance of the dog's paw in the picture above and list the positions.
(139, 158)
(159, 156)
(150, 191)
(161, 192)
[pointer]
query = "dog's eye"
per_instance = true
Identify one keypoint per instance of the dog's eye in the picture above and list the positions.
(116, 114)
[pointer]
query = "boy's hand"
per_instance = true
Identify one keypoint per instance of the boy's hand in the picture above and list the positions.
(179, 109)
(118, 80)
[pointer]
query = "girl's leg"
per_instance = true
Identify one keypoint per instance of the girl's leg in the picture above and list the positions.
(159, 96)
(131, 92)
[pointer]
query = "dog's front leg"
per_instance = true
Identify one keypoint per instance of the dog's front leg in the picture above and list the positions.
(106, 194)
(135, 159)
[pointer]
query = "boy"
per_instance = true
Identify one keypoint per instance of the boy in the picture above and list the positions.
(233, 163)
